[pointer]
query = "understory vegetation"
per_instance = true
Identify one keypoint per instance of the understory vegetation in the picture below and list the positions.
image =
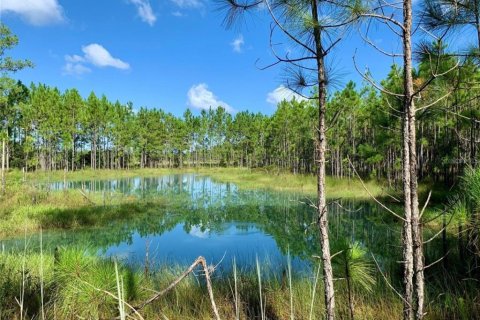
(73, 283)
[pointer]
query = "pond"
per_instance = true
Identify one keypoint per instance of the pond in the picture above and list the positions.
(201, 216)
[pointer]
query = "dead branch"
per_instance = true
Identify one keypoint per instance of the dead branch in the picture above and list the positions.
(426, 203)
(376, 47)
(199, 261)
(434, 102)
(437, 261)
(285, 31)
(439, 232)
(387, 282)
(373, 83)
(370, 194)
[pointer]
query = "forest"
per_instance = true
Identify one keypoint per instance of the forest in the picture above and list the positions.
(367, 192)
(51, 130)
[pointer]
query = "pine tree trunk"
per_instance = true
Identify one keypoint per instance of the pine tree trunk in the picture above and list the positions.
(407, 236)
(321, 160)
(73, 154)
(417, 239)
(418, 258)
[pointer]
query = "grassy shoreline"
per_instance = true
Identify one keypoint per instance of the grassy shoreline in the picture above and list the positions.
(245, 178)
(76, 284)
(26, 207)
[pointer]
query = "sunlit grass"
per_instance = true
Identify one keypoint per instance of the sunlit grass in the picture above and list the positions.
(244, 177)
(76, 283)
(27, 206)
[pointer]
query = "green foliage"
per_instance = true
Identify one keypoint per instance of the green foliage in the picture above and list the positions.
(83, 279)
(471, 187)
(48, 129)
(9, 41)
(354, 264)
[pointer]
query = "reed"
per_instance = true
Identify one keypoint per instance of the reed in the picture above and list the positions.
(81, 285)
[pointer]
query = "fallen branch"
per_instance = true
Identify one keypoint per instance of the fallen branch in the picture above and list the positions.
(199, 261)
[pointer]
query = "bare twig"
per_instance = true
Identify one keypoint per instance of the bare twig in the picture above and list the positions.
(426, 203)
(387, 282)
(199, 261)
(439, 232)
(370, 194)
(436, 261)
(86, 197)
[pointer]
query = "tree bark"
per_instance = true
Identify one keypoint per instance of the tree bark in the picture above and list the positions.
(321, 160)
(416, 234)
(407, 239)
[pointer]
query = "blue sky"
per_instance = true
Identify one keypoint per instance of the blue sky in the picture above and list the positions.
(169, 54)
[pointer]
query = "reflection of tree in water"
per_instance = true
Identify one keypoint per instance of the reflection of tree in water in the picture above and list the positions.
(201, 203)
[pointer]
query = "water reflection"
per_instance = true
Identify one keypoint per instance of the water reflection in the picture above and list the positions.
(217, 220)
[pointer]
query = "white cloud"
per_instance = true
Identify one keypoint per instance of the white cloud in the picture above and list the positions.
(188, 3)
(237, 44)
(94, 54)
(177, 14)
(200, 97)
(283, 93)
(196, 231)
(72, 68)
(74, 58)
(36, 12)
(145, 11)
(100, 57)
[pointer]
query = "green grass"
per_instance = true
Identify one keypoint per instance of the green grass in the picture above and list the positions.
(244, 177)
(27, 207)
(76, 285)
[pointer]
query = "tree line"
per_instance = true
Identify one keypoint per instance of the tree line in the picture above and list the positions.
(47, 129)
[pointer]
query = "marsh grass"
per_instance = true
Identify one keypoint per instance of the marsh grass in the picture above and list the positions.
(30, 209)
(30, 206)
(76, 282)
(245, 178)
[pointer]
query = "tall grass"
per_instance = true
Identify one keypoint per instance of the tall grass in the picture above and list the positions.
(235, 295)
(314, 291)
(289, 268)
(120, 292)
(42, 296)
(260, 293)
(76, 286)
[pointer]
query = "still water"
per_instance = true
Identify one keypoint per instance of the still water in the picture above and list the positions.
(188, 215)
